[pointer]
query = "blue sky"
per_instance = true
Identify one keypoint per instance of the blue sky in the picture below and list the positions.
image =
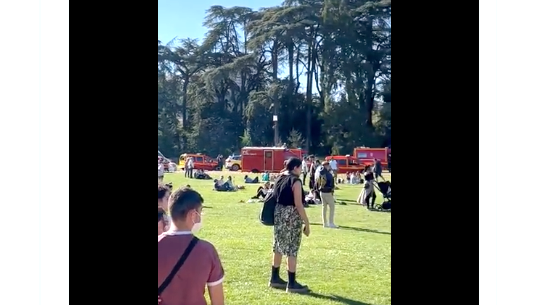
(182, 19)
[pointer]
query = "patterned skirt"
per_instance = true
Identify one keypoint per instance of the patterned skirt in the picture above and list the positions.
(287, 231)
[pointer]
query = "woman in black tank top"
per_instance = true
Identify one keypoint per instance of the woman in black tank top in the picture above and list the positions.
(289, 220)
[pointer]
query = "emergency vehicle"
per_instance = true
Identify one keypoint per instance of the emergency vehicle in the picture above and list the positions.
(200, 162)
(366, 156)
(346, 164)
(270, 159)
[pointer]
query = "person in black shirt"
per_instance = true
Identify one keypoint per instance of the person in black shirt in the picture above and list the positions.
(326, 185)
(289, 219)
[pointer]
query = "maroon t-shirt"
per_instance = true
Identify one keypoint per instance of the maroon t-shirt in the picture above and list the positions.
(202, 267)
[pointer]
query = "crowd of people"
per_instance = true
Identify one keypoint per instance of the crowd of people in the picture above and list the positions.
(187, 264)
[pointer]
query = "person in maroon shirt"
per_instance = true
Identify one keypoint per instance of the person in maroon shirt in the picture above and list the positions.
(202, 267)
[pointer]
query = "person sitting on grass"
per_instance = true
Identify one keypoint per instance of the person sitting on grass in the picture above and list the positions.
(219, 187)
(200, 174)
(250, 180)
(263, 191)
(266, 176)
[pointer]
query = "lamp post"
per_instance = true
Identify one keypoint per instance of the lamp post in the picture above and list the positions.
(276, 130)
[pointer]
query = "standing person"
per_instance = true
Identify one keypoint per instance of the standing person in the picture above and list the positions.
(163, 195)
(202, 267)
(219, 162)
(367, 195)
(333, 168)
(325, 185)
(305, 169)
(160, 170)
(378, 169)
(312, 170)
(289, 219)
(190, 167)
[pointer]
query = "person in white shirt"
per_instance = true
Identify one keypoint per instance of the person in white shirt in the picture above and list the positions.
(172, 167)
(220, 182)
(334, 169)
(189, 167)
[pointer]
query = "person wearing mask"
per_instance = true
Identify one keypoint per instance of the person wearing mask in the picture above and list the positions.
(202, 266)
(325, 185)
(164, 191)
(290, 220)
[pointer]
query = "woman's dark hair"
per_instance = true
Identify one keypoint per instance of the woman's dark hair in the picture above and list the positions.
(160, 214)
(292, 163)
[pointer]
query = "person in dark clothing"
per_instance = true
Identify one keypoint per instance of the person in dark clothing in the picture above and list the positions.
(247, 179)
(220, 161)
(378, 169)
(290, 220)
(325, 185)
(262, 191)
(312, 171)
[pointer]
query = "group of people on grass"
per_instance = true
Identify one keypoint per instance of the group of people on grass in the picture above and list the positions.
(187, 264)
(195, 263)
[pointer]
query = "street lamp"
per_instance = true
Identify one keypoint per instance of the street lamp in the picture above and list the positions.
(276, 130)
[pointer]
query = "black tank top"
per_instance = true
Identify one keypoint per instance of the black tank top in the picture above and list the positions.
(369, 177)
(283, 187)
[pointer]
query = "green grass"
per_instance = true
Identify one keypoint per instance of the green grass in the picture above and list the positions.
(350, 265)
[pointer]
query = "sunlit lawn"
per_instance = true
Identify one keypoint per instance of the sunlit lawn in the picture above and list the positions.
(350, 265)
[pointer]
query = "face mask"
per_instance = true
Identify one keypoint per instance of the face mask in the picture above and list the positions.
(197, 226)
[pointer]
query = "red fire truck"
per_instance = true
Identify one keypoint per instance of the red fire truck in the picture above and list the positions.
(270, 159)
(367, 155)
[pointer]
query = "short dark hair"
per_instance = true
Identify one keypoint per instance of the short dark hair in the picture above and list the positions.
(163, 189)
(182, 201)
(292, 163)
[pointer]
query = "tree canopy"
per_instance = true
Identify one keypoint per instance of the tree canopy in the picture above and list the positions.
(322, 66)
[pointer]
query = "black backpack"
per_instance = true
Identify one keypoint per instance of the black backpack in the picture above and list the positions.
(268, 209)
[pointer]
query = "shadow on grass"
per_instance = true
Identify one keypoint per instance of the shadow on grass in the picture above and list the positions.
(336, 298)
(355, 229)
(346, 200)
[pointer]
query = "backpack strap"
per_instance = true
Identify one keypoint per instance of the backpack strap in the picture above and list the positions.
(178, 265)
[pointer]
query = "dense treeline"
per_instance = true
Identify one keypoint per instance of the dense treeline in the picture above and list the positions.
(322, 66)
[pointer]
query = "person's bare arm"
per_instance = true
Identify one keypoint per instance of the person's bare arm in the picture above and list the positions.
(216, 294)
(297, 191)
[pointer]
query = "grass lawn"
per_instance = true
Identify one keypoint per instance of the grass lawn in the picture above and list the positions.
(350, 265)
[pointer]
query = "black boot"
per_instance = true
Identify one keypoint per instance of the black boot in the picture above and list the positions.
(294, 286)
(276, 281)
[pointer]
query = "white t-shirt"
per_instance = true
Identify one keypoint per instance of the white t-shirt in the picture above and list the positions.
(160, 170)
(333, 165)
(318, 172)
